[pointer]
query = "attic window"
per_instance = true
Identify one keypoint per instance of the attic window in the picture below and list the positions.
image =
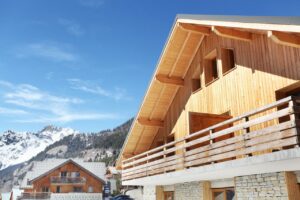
(196, 81)
(211, 67)
(228, 59)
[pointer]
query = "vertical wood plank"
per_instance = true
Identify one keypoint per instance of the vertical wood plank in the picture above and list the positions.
(292, 186)
(159, 193)
(207, 193)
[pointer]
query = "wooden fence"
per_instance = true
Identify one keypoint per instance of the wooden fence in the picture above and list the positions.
(263, 130)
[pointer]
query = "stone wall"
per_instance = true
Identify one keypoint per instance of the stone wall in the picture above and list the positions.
(136, 194)
(261, 186)
(190, 191)
(149, 193)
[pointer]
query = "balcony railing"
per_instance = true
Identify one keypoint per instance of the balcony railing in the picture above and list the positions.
(263, 130)
(67, 180)
(34, 195)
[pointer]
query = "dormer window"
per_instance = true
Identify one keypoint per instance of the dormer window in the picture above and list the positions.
(196, 81)
(211, 67)
(228, 60)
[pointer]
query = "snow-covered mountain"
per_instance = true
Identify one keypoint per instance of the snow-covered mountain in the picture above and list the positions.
(18, 147)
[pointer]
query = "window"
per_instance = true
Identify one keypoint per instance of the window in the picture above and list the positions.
(169, 195)
(57, 189)
(196, 81)
(45, 189)
(228, 60)
(75, 174)
(63, 174)
(77, 189)
(90, 189)
(211, 67)
(223, 194)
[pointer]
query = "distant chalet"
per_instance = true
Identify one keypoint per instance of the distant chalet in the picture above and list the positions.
(64, 179)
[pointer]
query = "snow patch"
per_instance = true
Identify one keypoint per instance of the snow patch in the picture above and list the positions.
(18, 147)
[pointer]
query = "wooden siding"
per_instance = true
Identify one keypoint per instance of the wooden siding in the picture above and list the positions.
(262, 68)
(65, 188)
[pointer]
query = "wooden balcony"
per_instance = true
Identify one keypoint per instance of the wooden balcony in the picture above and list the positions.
(34, 195)
(264, 130)
(67, 180)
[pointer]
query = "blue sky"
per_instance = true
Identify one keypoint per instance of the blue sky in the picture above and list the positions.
(86, 64)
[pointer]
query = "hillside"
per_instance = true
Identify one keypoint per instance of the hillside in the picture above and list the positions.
(103, 146)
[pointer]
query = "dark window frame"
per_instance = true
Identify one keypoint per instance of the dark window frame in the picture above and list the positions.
(226, 69)
(211, 68)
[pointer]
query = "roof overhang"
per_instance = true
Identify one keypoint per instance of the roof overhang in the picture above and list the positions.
(181, 46)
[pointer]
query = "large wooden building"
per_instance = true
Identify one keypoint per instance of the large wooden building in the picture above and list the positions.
(221, 115)
(63, 179)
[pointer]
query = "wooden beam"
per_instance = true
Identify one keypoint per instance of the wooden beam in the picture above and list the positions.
(292, 185)
(159, 193)
(207, 193)
(232, 33)
(170, 80)
(196, 28)
(150, 122)
(288, 39)
(127, 155)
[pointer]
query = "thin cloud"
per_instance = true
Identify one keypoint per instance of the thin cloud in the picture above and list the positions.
(72, 27)
(49, 75)
(48, 51)
(9, 111)
(91, 3)
(90, 87)
(43, 106)
(69, 118)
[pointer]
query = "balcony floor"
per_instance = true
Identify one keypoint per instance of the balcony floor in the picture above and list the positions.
(285, 160)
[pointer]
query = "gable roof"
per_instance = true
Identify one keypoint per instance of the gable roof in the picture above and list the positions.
(42, 168)
(176, 57)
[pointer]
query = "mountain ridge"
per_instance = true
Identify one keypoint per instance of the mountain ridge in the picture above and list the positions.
(102, 146)
(18, 147)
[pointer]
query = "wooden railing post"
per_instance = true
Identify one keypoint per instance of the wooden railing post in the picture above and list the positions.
(211, 141)
(165, 156)
(245, 131)
(295, 116)
(183, 154)
(147, 174)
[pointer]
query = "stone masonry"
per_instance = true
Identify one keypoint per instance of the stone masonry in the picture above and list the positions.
(270, 186)
(190, 191)
(149, 193)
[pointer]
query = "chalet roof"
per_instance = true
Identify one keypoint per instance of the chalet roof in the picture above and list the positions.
(41, 168)
(180, 48)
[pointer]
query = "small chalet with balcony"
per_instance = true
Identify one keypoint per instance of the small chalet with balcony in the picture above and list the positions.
(64, 179)
(220, 119)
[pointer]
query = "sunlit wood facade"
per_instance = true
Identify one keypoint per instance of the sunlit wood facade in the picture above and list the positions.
(222, 88)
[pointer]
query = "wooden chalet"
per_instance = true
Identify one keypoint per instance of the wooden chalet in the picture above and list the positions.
(220, 119)
(62, 178)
